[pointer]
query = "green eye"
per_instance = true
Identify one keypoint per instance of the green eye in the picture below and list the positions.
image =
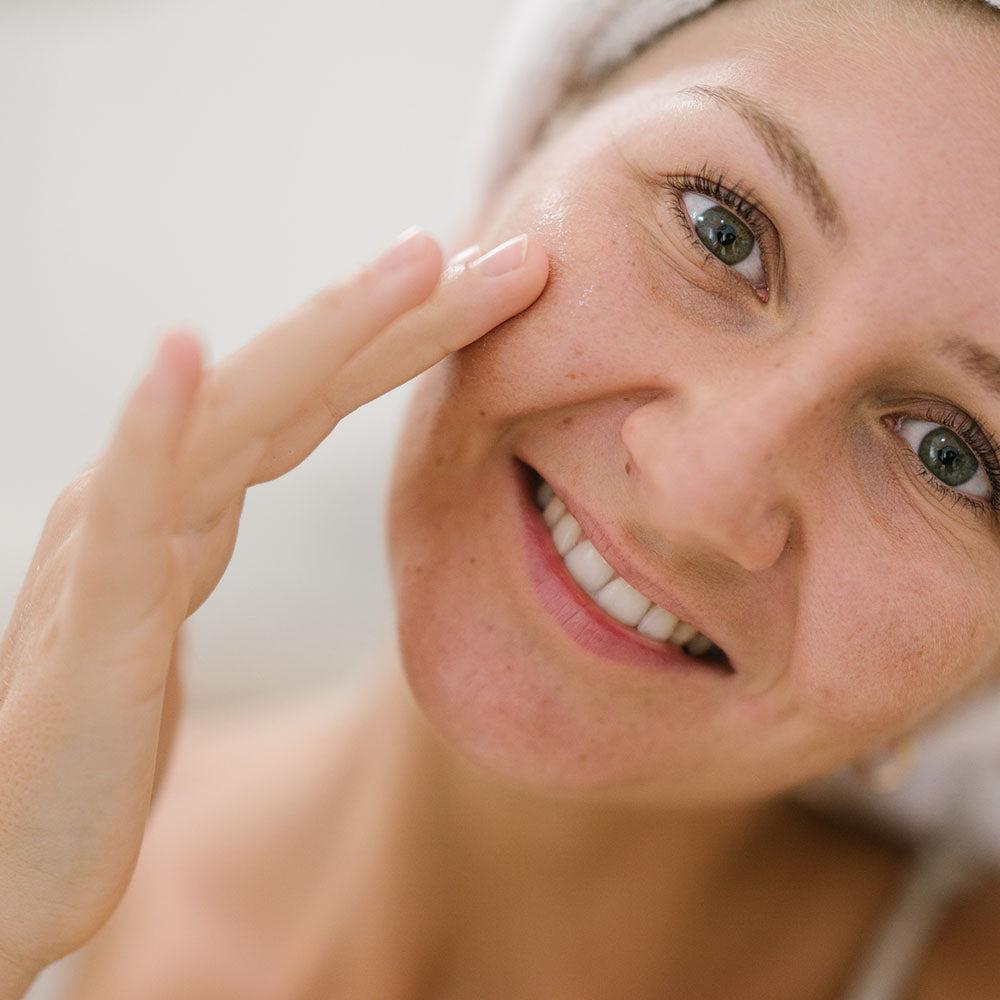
(726, 237)
(947, 457)
(724, 234)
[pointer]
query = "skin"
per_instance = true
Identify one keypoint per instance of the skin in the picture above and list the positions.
(854, 599)
(857, 601)
(504, 813)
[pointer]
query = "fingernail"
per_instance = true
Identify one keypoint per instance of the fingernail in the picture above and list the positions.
(464, 256)
(404, 249)
(504, 258)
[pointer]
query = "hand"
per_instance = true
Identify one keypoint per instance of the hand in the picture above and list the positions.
(139, 540)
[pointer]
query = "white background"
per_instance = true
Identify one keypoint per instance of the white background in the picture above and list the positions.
(213, 162)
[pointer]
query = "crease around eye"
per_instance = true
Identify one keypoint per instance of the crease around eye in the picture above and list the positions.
(695, 192)
(936, 425)
(698, 209)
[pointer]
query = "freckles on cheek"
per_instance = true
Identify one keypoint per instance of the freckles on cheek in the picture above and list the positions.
(600, 291)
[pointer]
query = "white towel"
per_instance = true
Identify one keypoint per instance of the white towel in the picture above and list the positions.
(549, 48)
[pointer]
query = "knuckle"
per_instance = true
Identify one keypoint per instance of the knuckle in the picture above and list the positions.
(334, 407)
(67, 509)
(72, 496)
(137, 599)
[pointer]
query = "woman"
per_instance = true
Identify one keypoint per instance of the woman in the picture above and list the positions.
(712, 516)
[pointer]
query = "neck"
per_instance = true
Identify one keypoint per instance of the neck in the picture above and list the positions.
(510, 888)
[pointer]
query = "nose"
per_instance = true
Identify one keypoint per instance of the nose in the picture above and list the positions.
(715, 472)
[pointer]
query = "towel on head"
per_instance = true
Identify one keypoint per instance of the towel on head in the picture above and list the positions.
(549, 48)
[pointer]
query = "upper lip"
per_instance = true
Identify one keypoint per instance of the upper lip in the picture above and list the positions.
(625, 566)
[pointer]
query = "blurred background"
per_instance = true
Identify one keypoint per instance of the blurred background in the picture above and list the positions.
(214, 162)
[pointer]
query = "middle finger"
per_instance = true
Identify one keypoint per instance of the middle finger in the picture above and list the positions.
(252, 393)
(471, 299)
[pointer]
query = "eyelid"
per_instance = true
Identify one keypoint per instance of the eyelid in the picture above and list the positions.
(742, 202)
(711, 262)
(970, 428)
(738, 200)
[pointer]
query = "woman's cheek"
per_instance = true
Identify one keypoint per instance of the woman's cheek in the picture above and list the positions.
(886, 640)
(570, 345)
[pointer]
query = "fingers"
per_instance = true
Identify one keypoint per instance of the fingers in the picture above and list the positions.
(474, 296)
(122, 556)
(260, 387)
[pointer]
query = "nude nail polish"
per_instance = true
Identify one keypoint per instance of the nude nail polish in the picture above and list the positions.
(502, 259)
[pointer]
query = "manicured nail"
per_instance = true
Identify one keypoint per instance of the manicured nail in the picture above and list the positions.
(504, 258)
(464, 256)
(404, 249)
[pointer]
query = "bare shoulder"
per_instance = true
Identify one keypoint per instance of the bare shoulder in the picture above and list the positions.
(227, 856)
(964, 960)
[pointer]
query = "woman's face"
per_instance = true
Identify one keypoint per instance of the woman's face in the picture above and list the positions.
(754, 444)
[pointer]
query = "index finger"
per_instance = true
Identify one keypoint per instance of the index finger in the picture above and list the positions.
(473, 298)
(258, 388)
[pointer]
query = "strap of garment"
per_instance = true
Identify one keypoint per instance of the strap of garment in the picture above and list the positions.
(941, 872)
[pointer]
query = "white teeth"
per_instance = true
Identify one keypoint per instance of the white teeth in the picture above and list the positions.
(699, 644)
(588, 567)
(554, 510)
(683, 633)
(566, 533)
(622, 602)
(617, 597)
(657, 623)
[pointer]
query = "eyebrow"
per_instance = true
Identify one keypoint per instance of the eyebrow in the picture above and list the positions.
(975, 360)
(783, 144)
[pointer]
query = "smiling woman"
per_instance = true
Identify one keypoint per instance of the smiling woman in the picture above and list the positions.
(701, 506)
(747, 389)
(774, 447)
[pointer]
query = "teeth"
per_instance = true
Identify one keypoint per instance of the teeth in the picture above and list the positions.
(657, 623)
(566, 533)
(624, 603)
(683, 633)
(617, 597)
(554, 510)
(699, 644)
(588, 567)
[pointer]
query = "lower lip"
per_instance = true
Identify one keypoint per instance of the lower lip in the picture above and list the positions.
(574, 610)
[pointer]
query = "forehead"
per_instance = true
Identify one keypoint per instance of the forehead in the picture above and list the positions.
(896, 102)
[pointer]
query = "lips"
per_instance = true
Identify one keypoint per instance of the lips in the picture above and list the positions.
(602, 603)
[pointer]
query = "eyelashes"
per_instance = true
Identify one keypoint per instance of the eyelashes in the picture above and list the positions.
(979, 440)
(740, 201)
